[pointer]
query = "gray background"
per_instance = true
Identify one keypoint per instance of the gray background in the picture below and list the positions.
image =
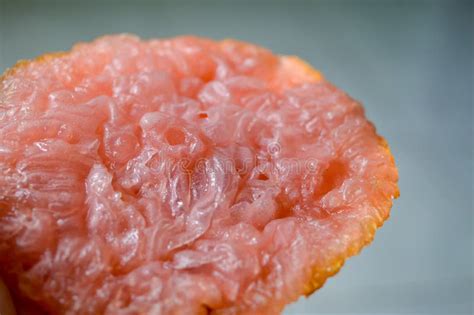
(410, 63)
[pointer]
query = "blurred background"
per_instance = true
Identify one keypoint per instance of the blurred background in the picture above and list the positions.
(409, 62)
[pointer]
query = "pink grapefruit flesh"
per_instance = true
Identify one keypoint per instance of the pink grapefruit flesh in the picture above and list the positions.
(181, 176)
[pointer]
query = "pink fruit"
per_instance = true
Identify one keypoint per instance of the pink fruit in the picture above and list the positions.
(181, 176)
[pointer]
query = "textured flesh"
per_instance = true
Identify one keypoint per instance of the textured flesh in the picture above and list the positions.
(181, 176)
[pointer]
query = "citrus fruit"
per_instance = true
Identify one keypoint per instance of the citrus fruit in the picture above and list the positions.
(181, 176)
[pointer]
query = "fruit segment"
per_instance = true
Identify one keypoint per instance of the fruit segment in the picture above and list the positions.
(181, 176)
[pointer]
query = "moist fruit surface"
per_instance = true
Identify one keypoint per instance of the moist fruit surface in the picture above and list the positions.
(181, 176)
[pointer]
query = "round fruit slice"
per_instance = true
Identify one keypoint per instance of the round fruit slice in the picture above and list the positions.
(181, 176)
